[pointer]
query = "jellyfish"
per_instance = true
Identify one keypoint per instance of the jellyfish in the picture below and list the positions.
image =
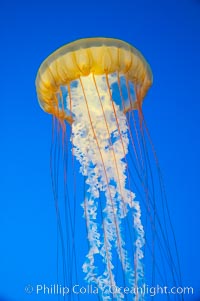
(104, 162)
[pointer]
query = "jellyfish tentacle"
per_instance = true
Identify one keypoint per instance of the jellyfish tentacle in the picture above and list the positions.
(108, 256)
(118, 180)
(114, 235)
(90, 209)
(138, 268)
(102, 178)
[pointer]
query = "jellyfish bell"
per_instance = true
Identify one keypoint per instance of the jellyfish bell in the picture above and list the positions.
(97, 86)
(96, 56)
